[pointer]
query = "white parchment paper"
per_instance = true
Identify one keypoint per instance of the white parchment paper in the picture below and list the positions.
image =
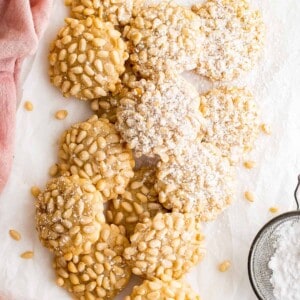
(276, 84)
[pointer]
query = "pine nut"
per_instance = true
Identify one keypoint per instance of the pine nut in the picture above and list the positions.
(14, 234)
(27, 255)
(224, 266)
(28, 106)
(61, 114)
(249, 196)
(273, 210)
(35, 191)
(249, 164)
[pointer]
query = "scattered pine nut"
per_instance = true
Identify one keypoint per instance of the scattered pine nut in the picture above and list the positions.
(61, 114)
(273, 210)
(265, 128)
(28, 106)
(249, 196)
(14, 234)
(249, 164)
(35, 191)
(27, 255)
(224, 266)
(53, 170)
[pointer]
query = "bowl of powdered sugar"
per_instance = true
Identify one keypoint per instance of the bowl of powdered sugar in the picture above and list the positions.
(274, 258)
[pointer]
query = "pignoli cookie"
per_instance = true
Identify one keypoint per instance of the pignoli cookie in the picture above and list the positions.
(118, 12)
(234, 38)
(164, 36)
(165, 247)
(139, 201)
(87, 58)
(159, 116)
(93, 150)
(232, 117)
(159, 290)
(69, 215)
(197, 180)
(100, 274)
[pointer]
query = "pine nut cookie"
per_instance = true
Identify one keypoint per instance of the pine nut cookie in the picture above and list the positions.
(159, 290)
(118, 12)
(197, 180)
(164, 36)
(100, 274)
(87, 58)
(159, 116)
(234, 38)
(232, 120)
(138, 202)
(69, 215)
(93, 150)
(166, 246)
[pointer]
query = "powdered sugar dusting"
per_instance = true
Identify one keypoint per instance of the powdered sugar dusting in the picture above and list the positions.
(285, 262)
(197, 179)
(232, 120)
(164, 36)
(234, 38)
(160, 116)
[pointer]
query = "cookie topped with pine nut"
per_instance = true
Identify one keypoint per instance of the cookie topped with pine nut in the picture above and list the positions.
(233, 121)
(197, 180)
(159, 116)
(100, 274)
(235, 36)
(164, 36)
(69, 215)
(159, 290)
(139, 201)
(166, 246)
(118, 13)
(87, 58)
(93, 150)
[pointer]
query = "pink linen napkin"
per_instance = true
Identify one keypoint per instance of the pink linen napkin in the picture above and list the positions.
(21, 24)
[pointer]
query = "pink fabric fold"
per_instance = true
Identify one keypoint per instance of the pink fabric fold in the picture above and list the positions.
(22, 23)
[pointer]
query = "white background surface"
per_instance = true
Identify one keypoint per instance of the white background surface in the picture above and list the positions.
(276, 85)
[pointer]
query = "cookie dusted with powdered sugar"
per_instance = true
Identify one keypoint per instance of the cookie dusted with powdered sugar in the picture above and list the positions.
(139, 201)
(164, 36)
(159, 290)
(159, 116)
(235, 36)
(233, 122)
(69, 215)
(166, 246)
(93, 150)
(197, 180)
(100, 274)
(87, 58)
